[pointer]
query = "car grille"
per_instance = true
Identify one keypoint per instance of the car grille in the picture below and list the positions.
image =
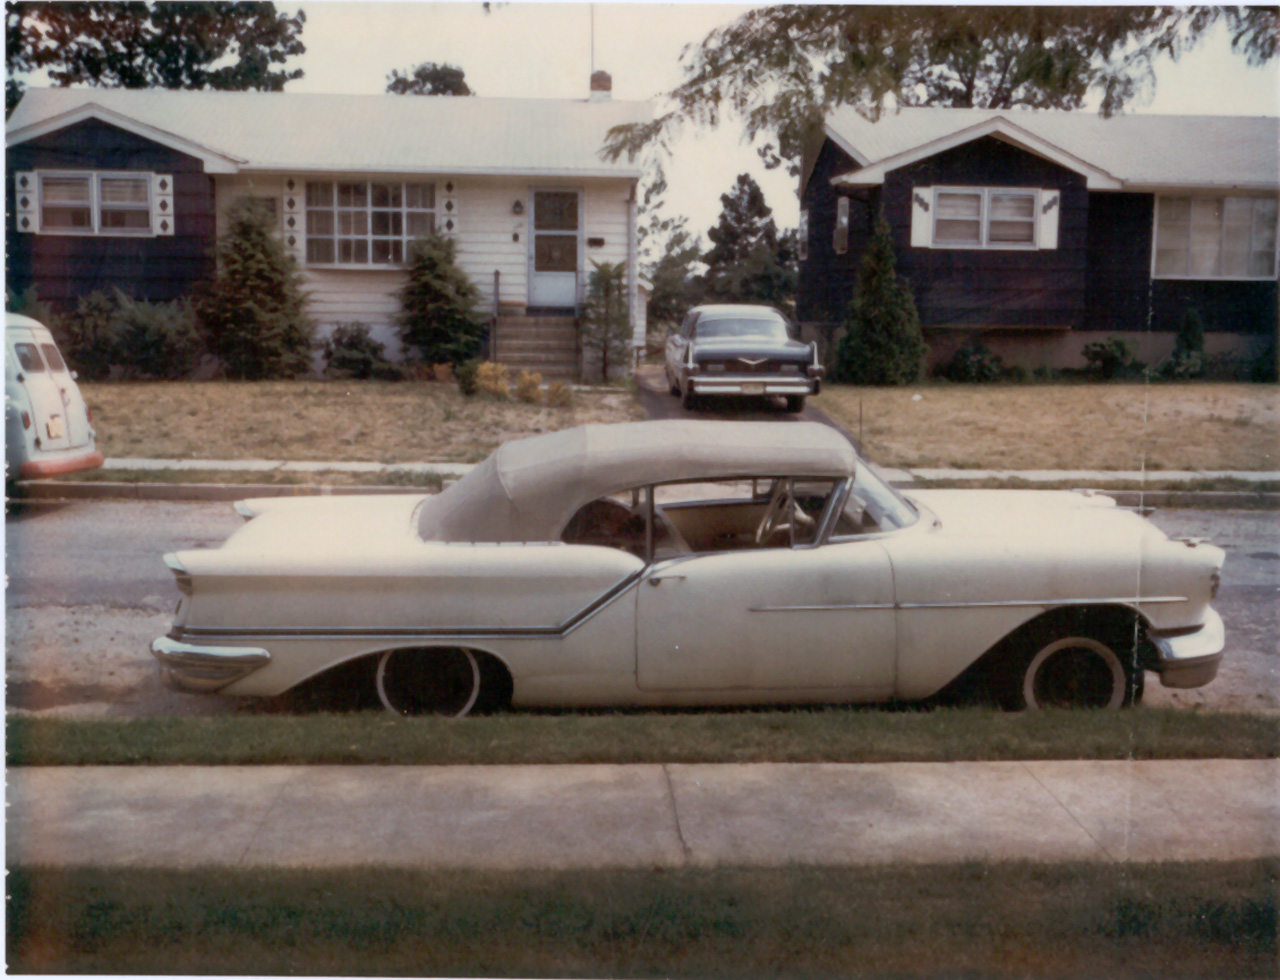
(739, 365)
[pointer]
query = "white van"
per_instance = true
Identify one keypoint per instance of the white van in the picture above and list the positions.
(47, 428)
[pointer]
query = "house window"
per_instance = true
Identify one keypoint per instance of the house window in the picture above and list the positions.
(95, 204)
(366, 223)
(984, 217)
(1215, 238)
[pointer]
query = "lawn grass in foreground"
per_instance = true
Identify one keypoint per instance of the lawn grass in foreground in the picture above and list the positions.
(1129, 426)
(1199, 919)
(514, 738)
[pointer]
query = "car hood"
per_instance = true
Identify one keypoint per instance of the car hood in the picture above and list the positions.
(1027, 515)
(791, 350)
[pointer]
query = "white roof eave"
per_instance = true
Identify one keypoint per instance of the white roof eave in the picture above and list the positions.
(466, 171)
(215, 161)
(1095, 177)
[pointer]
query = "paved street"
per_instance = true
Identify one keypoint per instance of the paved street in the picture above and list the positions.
(644, 816)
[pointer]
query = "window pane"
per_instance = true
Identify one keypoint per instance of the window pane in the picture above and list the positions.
(28, 357)
(1262, 264)
(420, 195)
(1206, 236)
(1020, 232)
(320, 250)
(385, 195)
(555, 211)
(319, 222)
(420, 223)
(353, 251)
(555, 253)
(133, 220)
(353, 223)
(968, 232)
(52, 357)
(319, 195)
(353, 195)
(1010, 206)
(382, 252)
(952, 205)
(388, 223)
(77, 218)
(123, 190)
(1264, 224)
(64, 190)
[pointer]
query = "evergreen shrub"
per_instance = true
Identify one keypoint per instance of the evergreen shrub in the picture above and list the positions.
(87, 336)
(605, 325)
(155, 340)
(882, 344)
(1187, 360)
(467, 376)
(973, 363)
(1110, 359)
(438, 304)
(252, 313)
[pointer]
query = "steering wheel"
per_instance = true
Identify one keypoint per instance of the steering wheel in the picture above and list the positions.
(769, 525)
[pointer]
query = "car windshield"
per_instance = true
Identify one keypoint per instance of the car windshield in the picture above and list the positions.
(873, 506)
(767, 327)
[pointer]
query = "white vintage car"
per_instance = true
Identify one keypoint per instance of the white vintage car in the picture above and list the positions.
(694, 563)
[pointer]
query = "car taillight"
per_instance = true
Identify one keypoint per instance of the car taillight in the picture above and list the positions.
(26, 420)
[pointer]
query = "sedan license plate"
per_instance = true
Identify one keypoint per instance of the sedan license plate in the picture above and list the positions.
(753, 388)
(54, 427)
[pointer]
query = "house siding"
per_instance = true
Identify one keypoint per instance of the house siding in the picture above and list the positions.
(66, 267)
(827, 277)
(993, 288)
(1118, 295)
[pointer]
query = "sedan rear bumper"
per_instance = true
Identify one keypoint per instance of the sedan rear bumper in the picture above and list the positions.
(1192, 659)
(728, 384)
(56, 464)
(199, 668)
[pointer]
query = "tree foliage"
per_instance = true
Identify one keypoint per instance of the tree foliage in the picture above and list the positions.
(253, 312)
(177, 45)
(749, 261)
(883, 344)
(429, 78)
(606, 320)
(438, 303)
(783, 68)
(669, 256)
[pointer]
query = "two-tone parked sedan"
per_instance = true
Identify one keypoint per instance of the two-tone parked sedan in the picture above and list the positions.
(694, 563)
(740, 350)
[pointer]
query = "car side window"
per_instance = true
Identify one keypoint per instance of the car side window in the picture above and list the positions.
(29, 357)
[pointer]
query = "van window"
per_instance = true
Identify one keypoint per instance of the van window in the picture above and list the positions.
(52, 357)
(29, 357)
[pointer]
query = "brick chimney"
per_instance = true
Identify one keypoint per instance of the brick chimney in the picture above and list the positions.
(601, 86)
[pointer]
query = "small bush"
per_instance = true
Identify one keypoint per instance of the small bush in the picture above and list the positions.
(492, 379)
(973, 363)
(559, 395)
(442, 372)
(1111, 358)
(1263, 367)
(1187, 359)
(467, 375)
(351, 352)
(88, 336)
(529, 387)
(155, 340)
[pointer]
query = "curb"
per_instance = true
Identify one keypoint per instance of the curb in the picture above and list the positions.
(64, 490)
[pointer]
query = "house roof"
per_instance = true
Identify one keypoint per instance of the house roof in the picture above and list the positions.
(284, 131)
(1128, 152)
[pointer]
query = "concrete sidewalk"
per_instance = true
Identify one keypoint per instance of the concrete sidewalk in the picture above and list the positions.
(643, 816)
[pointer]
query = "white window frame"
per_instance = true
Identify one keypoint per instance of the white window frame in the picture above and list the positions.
(1222, 242)
(405, 238)
(95, 204)
(984, 218)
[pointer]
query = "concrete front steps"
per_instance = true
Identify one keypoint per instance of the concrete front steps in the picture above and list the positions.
(545, 344)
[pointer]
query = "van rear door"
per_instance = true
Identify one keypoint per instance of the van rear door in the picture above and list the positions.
(49, 414)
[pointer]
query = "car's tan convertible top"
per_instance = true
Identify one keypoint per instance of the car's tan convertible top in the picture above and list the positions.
(530, 488)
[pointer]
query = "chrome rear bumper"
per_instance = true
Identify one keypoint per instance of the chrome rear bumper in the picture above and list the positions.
(1191, 660)
(188, 667)
(728, 384)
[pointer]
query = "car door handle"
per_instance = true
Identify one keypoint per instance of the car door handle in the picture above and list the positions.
(656, 579)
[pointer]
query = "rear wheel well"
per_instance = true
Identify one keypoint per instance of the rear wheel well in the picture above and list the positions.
(444, 680)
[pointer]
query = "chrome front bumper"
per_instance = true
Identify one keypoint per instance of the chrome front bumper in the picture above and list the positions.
(189, 667)
(1191, 660)
(749, 384)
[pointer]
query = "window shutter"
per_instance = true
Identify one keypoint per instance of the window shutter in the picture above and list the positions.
(840, 234)
(24, 186)
(921, 217)
(1050, 208)
(447, 210)
(295, 218)
(162, 219)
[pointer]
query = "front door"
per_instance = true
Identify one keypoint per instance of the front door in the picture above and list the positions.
(553, 258)
(770, 619)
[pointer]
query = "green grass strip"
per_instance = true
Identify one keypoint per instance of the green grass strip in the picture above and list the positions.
(1200, 919)
(823, 735)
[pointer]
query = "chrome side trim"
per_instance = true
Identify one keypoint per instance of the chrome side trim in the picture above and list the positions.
(830, 608)
(418, 632)
(1044, 603)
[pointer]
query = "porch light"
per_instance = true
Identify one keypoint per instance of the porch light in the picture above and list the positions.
(518, 207)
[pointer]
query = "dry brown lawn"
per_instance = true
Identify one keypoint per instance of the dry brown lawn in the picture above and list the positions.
(1067, 426)
(325, 420)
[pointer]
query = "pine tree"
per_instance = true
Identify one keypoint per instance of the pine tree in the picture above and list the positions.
(606, 322)
(748, 261)
(437, 304)
(253, 312)
(883, 344)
